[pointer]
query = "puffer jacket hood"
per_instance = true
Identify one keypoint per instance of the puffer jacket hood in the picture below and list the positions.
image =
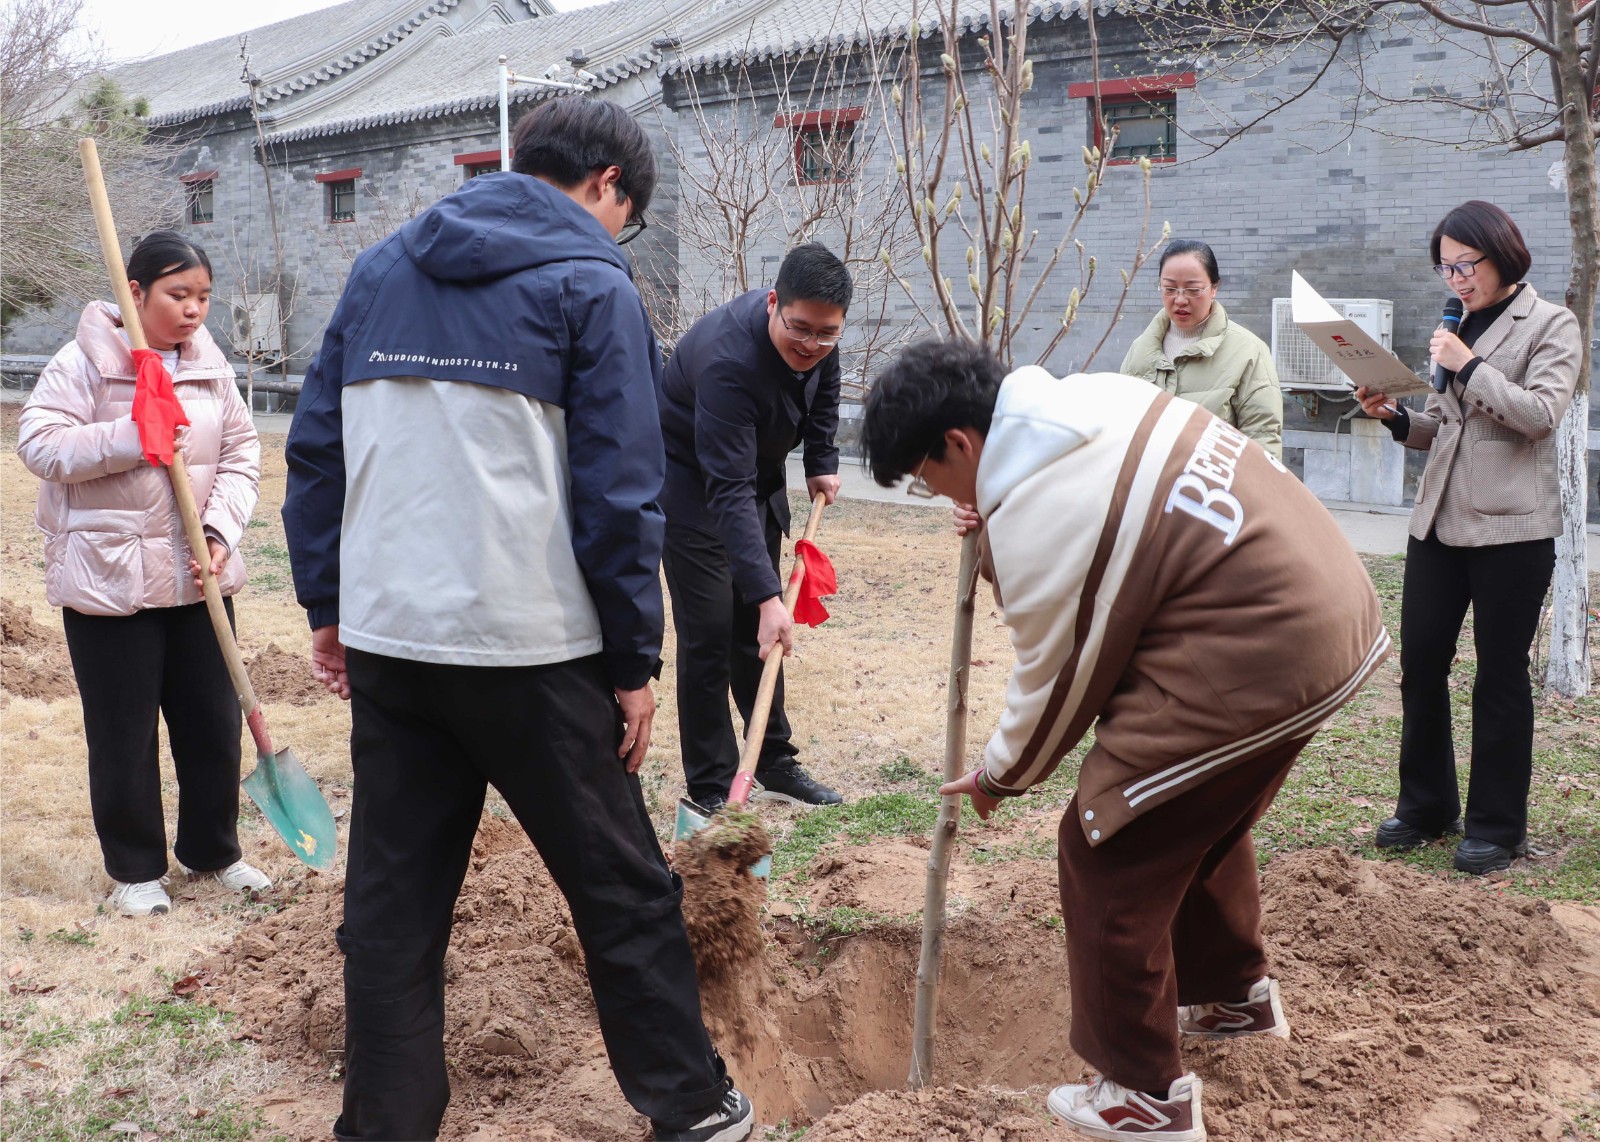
(101, 339)
(498, 224)
(1033, 427)
(114, 543)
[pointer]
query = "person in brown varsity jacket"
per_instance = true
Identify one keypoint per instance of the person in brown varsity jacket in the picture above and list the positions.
(1168, 582)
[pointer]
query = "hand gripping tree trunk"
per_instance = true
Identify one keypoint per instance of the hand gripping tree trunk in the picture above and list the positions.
(944, 831)
(966, 181)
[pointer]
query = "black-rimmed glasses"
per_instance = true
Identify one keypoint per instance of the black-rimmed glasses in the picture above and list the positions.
(1460, 269)
(632, 228)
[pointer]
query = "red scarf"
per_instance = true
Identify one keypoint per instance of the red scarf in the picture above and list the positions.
(155, 407)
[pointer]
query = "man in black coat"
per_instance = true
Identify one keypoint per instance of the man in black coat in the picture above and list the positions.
(751, 380)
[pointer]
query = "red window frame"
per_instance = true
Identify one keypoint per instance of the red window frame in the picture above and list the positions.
(818, 124)
(1147, 89)
(474, 163)
(194, 185)
(334, 181)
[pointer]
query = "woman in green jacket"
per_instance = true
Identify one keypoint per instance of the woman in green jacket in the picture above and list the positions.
(1194, 351)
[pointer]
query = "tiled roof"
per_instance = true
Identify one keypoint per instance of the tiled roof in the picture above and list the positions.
(796, 27)
(460, 73)
(288, 56)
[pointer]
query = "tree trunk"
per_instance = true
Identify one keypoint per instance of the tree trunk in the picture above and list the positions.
(1568, 673)
(944, 833)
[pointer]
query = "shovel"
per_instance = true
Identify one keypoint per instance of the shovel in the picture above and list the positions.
(280, 786)
(692, 817)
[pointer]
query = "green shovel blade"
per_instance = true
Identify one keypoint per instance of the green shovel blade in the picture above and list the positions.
(294, 806)
(692, 818)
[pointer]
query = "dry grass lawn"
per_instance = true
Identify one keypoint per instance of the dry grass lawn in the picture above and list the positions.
(90, 1044)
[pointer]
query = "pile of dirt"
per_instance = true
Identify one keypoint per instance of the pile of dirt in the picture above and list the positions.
(279, 676)
(722, 904)
(1422, 1008)
(938, 1114)
(33, 659)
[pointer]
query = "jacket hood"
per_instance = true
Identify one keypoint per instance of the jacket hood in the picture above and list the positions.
(100, 339)
(466, 236)
(1037, 421)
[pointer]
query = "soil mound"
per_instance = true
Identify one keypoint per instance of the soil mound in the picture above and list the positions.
(33, 659)
(939, 1114)
(1422, 1008)
(279, 676)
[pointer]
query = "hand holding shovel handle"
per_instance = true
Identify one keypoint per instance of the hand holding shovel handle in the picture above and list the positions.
(307, 827)
(755, 730)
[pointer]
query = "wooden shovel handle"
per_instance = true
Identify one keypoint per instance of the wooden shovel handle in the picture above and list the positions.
(182, 489)
(755, 730)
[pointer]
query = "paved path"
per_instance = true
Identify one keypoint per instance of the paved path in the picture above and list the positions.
(1371, 528)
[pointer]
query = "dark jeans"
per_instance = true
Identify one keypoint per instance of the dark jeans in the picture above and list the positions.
(1505, 584)
(1166, 912)
(130, 668)
(717, 650)
(426, 740)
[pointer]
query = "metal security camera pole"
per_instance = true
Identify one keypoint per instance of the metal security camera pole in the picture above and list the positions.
(507, 78)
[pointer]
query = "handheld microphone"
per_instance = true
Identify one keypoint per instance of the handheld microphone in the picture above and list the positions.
(1453, 309)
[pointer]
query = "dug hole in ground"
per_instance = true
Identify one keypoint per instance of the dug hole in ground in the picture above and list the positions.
(1424, 1006)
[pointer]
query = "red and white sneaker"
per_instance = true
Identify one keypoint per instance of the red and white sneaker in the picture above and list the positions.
(1103, 1109)
(1259, 1013)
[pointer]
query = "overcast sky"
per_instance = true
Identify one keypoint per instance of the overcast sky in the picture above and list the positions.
(130, 29)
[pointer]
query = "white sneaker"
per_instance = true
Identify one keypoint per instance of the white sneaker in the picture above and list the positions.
(1103, 1109)
(1259, 1013)
(237, 877)
(146, 898)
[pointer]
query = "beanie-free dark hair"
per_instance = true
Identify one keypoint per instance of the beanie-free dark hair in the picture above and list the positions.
(1489, 230)
(811, 272)
(566, 140)
(930, 388)
(1199, 249)
(163, 252)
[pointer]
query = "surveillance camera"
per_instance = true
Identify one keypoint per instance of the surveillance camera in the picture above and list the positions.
(588, 77)
(552, 71)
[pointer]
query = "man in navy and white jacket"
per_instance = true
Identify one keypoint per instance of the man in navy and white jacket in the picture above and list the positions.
(472, 519)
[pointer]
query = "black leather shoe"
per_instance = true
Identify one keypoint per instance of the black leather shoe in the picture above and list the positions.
(792, 785)
(1480, 857)
(710, 803)
(1396, 834)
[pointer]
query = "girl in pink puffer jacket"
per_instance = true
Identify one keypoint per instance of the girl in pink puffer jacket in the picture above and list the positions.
(117, 563)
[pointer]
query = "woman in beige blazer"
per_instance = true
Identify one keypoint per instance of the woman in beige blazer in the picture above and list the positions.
(1482, 534)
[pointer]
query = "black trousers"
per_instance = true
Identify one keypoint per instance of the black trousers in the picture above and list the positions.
(130, 668)
(1505, 585)
(717, 650)
(426, 740)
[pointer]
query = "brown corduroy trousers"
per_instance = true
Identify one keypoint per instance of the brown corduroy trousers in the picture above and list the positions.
(1165, 912)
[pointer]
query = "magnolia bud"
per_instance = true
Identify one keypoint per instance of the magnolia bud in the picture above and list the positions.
(900, 164)
(977, 289)
(984, 151)
(884, 256)
(948, 60)
(1027, 75)
(927, 254)
(972, 257)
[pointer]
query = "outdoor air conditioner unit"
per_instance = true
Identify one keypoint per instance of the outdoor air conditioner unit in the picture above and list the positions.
(1302, 367)
(256, 331)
